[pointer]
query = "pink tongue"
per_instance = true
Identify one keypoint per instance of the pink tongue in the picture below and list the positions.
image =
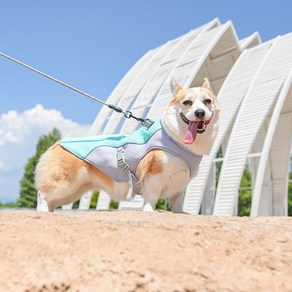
(191, 134)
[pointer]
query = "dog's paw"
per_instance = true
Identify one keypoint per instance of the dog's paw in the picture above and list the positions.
(148, 208)
(42, 205)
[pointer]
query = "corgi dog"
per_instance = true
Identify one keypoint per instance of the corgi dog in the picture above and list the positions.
(170, 159)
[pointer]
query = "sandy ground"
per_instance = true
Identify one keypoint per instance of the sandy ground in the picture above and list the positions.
(139, 251)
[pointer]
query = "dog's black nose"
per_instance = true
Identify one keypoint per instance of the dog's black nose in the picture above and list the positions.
(200, 113)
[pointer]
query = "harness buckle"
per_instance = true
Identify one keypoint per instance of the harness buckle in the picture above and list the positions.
(125, 167)
(121, 159)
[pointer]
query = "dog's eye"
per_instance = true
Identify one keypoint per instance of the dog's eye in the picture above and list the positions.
(187, 103)
(207, 101)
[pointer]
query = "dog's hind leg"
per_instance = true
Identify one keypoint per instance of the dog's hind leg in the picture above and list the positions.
(59, 197)
(151, 192)
(42, 204)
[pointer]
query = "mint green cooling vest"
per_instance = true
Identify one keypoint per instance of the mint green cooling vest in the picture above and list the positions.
(101, 151)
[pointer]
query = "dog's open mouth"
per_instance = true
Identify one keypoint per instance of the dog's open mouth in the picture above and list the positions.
(194, 128)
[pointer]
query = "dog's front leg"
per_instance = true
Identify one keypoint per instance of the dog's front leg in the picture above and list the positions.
(148, 207)
(151, 192)
(177, 201)
(150, 203)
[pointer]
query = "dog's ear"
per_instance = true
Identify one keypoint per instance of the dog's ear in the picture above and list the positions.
(175, 88)
(216, 103)
(206, 84)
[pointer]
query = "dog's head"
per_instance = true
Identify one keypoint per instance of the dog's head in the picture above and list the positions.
(192, 116)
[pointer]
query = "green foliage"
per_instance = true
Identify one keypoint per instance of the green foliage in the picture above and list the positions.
(28, 197)
(94, 200)
(76, 204)
(244, 199)
(8, 205)
(113, 205)
(290, 196)
(163, 205)
(218, 165)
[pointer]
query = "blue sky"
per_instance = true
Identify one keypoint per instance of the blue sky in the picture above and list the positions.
(91, 45)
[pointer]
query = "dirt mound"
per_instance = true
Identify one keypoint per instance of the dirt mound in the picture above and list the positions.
(139, 251)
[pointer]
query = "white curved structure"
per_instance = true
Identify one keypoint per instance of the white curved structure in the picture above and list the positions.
(250, 41)
(230, 97)
(268, 89)
(270, 193)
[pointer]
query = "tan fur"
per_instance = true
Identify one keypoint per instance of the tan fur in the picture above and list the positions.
(58, 171)
(182, 93)
(151, 164)
(57, 168)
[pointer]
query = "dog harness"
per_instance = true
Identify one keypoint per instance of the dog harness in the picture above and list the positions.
(118, 155)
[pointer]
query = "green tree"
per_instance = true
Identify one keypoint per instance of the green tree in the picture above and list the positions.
(113, 205)
(94, 200)
(244, 199)
(163, 205)
(28, 197)
(8, 205)
(290, 196)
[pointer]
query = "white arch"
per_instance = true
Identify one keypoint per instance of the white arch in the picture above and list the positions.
(230, 97)
(104, 113)
(250, 41)
(281, 138)
(257, 104)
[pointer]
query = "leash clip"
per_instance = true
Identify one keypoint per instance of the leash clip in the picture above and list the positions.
(128, 114)
(147, 123)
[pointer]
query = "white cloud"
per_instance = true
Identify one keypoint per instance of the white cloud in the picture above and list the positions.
(19, 133)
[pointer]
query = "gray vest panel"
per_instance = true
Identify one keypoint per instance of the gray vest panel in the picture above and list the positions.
(104, 157)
